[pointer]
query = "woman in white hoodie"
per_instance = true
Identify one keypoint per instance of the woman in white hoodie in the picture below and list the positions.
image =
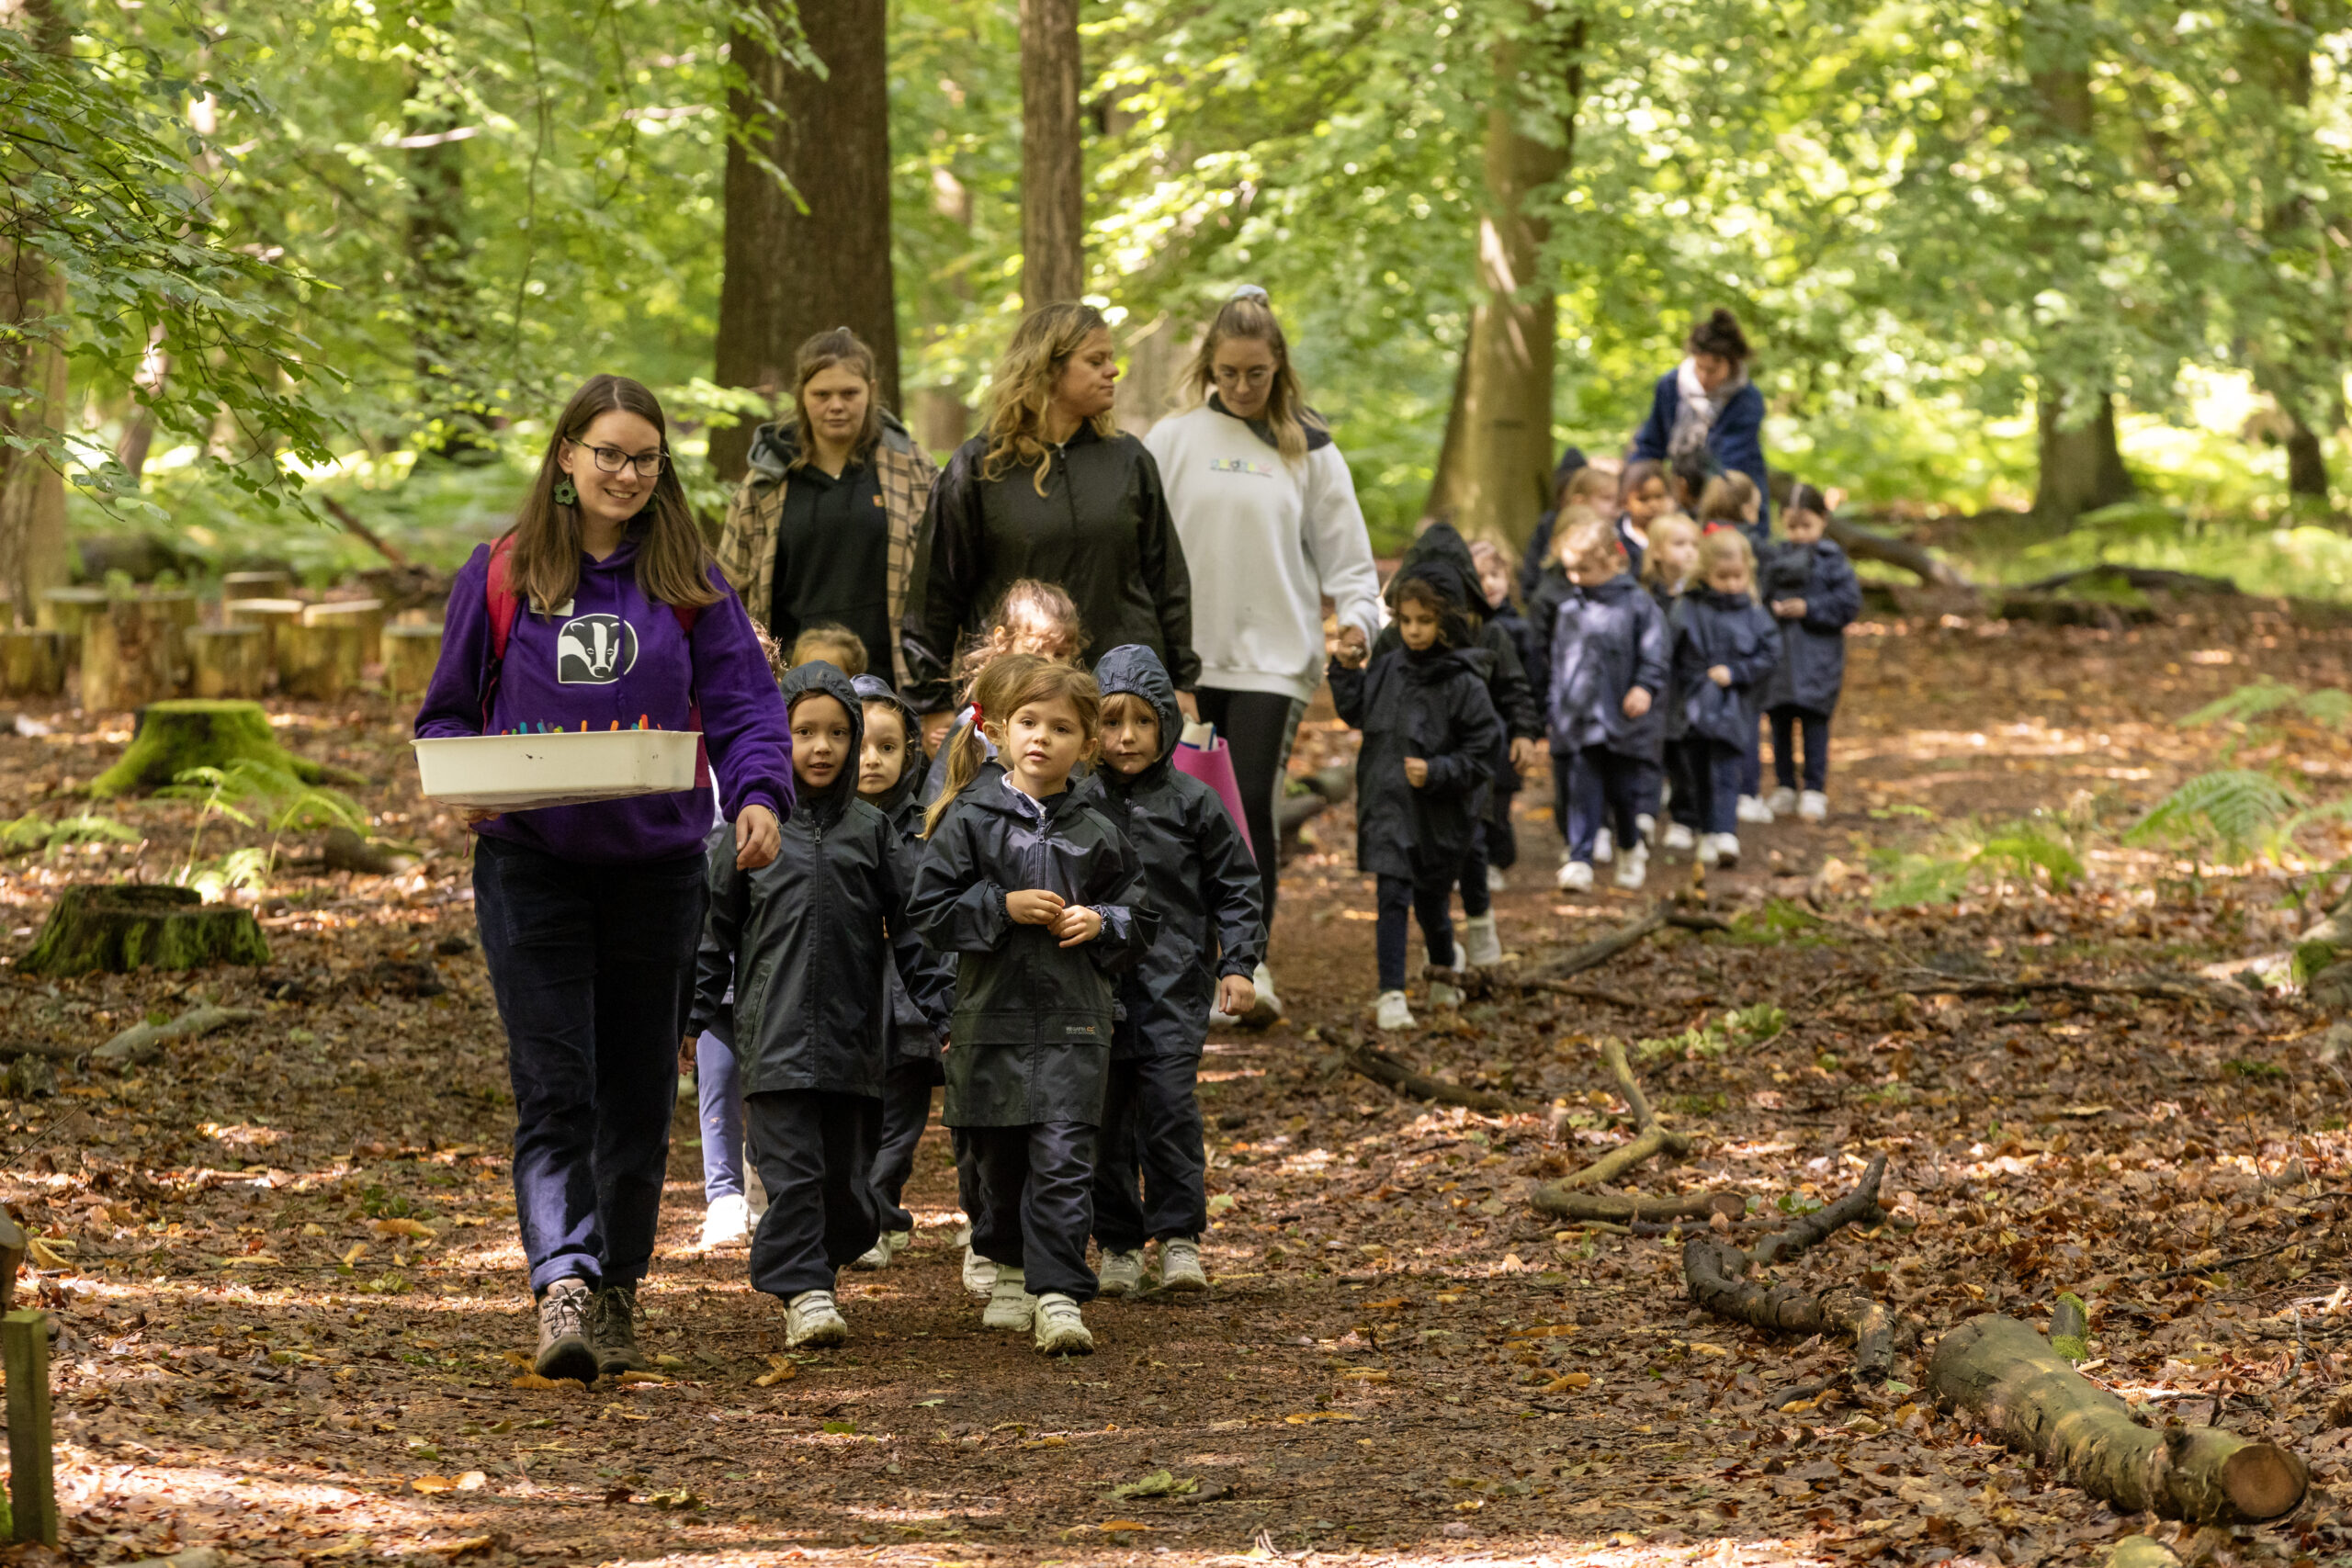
(1266, 510)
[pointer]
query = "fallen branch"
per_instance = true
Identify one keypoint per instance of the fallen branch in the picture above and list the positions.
(1811, 1230)
(1600, 950)
(1933, 983)
(1650, 1139)
(2007, 1380)
(44, 1048)
(145, 1042)
(2143, 578)
(1585, 992)
(1917, 560)
(1383, 1069)
(1715, 1275)
(360, 531)
(2216, 1266)
(1620, 1210)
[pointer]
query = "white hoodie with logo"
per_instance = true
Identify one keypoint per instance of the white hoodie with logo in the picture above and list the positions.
(1264, 541)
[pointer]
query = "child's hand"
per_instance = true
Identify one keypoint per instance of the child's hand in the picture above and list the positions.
(1637, 702)
(1417, 771)
(1523, 753)
(1236, 995)
(1788, 609)
(688, 1049)
(1034, 906)
(1351, 650)
(1077, 925)
(1719, 674)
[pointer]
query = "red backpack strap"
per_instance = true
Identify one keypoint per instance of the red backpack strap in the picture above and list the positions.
(503, 601)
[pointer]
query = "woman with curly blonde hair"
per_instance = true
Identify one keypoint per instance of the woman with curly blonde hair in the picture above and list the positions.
(1051, 490)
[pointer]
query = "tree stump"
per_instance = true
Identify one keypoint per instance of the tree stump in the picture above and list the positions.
(321, 662)
(237, 585)
(141, 926)
(64, 610)
(228, 661)
(129, 655)
(199, 732)
(366, 614)
(32, 662)
(411, 655)
(267, 613)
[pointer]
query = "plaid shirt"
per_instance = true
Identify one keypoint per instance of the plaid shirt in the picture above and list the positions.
(747, 549)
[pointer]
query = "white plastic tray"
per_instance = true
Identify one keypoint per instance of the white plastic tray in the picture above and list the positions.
(523, 772)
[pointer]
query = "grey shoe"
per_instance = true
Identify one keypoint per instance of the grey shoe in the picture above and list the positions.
(564, 1350)
(1179, 1265)
(1061, 1331)
(612, 1329)
(1121, 1272)
(811, 1318)
(1010, 1303)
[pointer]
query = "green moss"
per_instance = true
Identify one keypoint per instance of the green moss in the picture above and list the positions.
(199, 732)
(140, 927)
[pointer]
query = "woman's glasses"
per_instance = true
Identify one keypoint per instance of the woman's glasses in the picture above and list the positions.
(612, 460)
(1256, 375)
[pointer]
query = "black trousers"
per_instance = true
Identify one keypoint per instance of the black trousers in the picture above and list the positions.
(1258, 727)
(1037, 1202)
(1683, 761)
(906, 1112)
(1394, 898)
(1816, 730)
(815, 1154)
(1152, 1181)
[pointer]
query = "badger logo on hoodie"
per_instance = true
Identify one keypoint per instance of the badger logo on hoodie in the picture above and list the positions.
(594, 650)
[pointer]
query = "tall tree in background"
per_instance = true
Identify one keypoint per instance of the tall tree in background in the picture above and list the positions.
(1494, 466)
(808, 244)
(441, 316)
(1053, 165)
(32, 376)
(2293, 358)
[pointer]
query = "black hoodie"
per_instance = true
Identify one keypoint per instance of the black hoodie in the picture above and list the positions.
(810, 938)
(1433, 706)
(1031, 1035)
(915, 1028)
(1202, 882)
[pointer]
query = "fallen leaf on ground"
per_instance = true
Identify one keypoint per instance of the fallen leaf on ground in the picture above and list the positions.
(561, 1386)
(780, 1370)
(1306, 1417)
(417, 1228)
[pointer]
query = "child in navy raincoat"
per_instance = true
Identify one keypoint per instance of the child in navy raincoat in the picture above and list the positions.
(1810, 587)
(1150, 1172)
(1609, 667)
(1724, 652)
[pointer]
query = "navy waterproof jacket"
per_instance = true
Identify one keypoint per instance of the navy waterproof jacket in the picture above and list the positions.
(1608, 640)
(1736, 438)
(1812, 648)
(1733, 630)
(1200, 879)
(1433, 705)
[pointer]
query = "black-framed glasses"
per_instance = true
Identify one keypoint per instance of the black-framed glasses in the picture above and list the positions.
(612, 460)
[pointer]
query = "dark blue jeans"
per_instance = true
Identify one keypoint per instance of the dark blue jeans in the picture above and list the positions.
(1816, 730)
(1432, 906)
(592, 966)
(1151, 1144)
(1037, 1202)
(814, 1150)
(1604, 791)
(1721, 768)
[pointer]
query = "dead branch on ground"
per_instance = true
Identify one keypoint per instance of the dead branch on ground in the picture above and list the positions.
(1384, 1070)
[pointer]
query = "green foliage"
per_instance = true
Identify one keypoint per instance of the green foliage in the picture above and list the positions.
(253, 793)
(2234, 809)
(1743, 1028)
(1779, 920)
(2026, 852)
(33, 831)
(2241, 1067)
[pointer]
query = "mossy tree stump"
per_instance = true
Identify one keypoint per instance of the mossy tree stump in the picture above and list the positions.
(228, 661)
(199, 732)
(141, 926)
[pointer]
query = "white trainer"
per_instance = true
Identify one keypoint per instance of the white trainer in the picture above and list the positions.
(1633, 867)
(1179, 1265)
(1678, 837)
(1061, 1331)
(811, 1318)
(1753, 809)
(1575, 876)
(1121, 1272)
(1010, 1303)
(1646, 826)
(1813, 806)
(979, 1274)
(1710, 848)
(874, 1257)
(1481, 943)
(1392, 1012)
(1726, 848)
(1444, 993)
(1781, 801)
(1604, 847)
(728, 1220)
(1496, 881)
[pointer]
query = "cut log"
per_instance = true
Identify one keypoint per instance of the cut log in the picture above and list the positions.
(145, 1042)
(12, 1258)
(142, 926)
(366, 614)
(64, 611)
(129, 655)
(268, 614)
(202, 732)
(2014, 1387)
(1571, 1205)
(1383, 1069)
(32, 662)
(321, 662)
(410, 655)
(228, 661)
(1715, 1274)
(257, 585)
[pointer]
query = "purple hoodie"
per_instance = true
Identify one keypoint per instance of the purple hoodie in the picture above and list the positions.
(627, 658)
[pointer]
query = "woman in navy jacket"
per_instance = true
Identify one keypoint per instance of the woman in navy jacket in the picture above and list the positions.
(1708, 400)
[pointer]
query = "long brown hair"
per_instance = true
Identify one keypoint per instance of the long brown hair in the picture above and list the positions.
(673, 562)
(845, 348)
(1022, 387)
(1249, 314)
(1030, 607)
(1004, 688)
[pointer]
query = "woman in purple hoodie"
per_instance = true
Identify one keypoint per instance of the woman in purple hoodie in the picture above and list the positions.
(600, 608)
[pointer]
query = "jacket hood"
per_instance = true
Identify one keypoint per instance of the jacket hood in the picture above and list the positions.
(1719, 599)
(1621, 586)
(1319, 433)
(1572, 461)
(818, 678)
(775, 444)
(1442, 557)
(1134, 670)
(874, 689)
(989, 792)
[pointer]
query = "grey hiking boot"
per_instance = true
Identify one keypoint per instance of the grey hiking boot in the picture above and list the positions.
(1179, 1265)
(1121, 1272)
(612, 1330)
(564, 1350)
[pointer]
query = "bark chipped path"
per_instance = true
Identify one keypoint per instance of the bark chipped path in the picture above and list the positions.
(283, 1258)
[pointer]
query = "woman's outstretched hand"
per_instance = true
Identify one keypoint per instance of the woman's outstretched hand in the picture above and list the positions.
(757, 838)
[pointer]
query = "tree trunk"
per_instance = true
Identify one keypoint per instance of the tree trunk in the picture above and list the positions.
(440, 318)
(2082, 469)
(1053, 165)
(2007, 1380)
(1495, 468)
(32, 357)
(2277, 66)
(792, 273)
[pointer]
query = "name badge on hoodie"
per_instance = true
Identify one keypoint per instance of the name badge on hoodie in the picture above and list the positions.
(594, 650)
(1241, 465)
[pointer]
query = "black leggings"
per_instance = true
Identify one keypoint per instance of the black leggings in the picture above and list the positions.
(1258, 727)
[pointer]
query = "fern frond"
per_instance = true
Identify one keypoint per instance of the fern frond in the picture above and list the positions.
(2233, 805)
(2246, 702)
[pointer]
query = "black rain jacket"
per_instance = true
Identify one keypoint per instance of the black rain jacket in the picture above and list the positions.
(1433, 705)
(1734, 631)
(1031, 1033)
(1440, 556)
(915, 1029)
(810, 938)
(1102, 530)
(1199, 878)
(1813, 646)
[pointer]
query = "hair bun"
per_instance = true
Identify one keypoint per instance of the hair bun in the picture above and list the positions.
(1251, 291)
